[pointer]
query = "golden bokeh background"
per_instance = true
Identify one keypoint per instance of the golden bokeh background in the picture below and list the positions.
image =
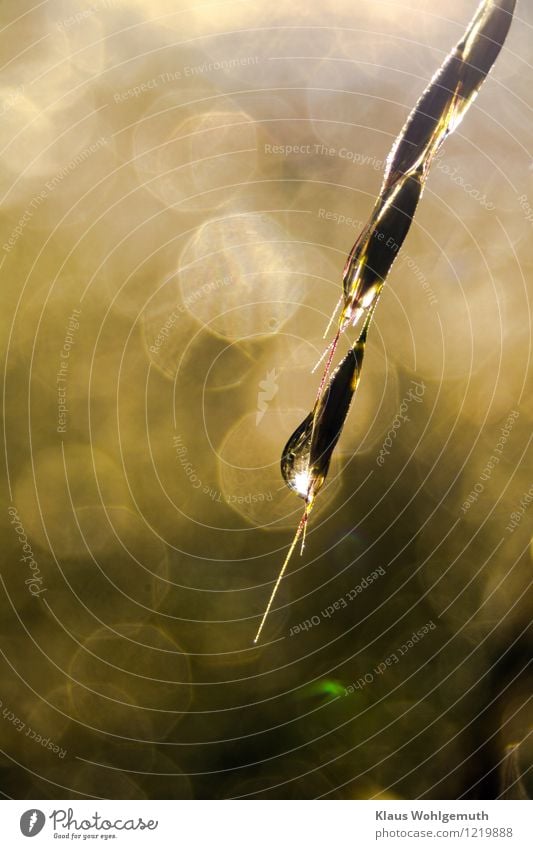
(181, 185)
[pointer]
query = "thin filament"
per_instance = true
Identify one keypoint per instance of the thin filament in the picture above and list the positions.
(299, 531)
(332, 347)
(334, 313)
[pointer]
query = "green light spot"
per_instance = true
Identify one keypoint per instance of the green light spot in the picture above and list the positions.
(329, 688)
